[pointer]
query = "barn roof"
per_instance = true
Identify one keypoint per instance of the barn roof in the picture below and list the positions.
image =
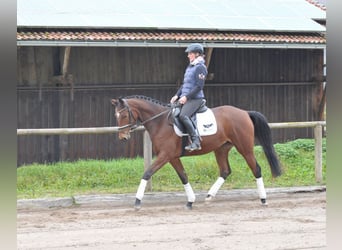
(149, 23)
(168, 38)
(319, 3)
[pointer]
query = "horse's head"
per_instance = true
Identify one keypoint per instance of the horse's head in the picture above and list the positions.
(124, 117)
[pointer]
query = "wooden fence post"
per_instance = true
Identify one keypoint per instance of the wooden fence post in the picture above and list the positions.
(318, 152)
(148, 157)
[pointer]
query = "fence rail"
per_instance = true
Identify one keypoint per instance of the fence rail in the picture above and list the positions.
(70, 131)
(317, 125)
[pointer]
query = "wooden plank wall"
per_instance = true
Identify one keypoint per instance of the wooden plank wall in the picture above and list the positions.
(282, 84)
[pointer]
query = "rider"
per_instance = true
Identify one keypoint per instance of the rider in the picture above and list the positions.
(190, 95)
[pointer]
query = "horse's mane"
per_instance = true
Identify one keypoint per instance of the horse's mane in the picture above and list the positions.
(142, 97)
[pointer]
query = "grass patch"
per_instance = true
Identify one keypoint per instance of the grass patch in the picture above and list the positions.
(123, 175)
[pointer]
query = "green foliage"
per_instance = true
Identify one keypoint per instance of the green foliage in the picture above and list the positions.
(123, 175)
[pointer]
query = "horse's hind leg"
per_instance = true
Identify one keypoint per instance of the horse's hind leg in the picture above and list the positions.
(256, 170)
(178, 166)
(221, 155)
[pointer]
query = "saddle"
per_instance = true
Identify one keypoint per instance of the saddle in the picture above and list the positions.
(203, 119)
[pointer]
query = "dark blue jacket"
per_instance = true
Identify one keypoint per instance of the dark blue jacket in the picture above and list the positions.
(194, 78)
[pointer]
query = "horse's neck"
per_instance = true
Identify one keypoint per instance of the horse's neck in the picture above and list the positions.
(148, 114)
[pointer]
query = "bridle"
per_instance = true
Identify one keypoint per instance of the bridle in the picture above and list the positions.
(130, 125)
(136, 122)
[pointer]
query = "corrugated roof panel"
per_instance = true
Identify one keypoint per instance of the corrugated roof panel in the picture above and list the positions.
(248, 8)
(261, 15)
(292, 25)
(123, 20)
(177, 22)
(174, 7)
(213, 8)
(238, 23)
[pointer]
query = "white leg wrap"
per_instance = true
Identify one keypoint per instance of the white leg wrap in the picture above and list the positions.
(189, 192)
(261, 188)
(217, 185)
(141, 189)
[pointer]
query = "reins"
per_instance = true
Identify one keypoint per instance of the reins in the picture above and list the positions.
(135, 125)
(155, 116)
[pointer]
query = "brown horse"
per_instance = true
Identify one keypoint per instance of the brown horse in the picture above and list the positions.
(235, 127)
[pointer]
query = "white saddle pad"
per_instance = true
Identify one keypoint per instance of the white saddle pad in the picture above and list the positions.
(206, 124)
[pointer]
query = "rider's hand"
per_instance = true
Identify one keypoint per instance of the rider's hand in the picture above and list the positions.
(183, 100)
(173, 99)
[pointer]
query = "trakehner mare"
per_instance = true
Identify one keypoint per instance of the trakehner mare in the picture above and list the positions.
(236, 127)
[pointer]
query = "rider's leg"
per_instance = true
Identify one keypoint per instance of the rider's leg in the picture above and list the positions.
(195, 141)
(188, 109)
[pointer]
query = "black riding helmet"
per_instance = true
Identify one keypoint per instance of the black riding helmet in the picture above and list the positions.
(195, 47)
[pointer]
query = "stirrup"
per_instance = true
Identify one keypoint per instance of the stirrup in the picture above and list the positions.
(193, 147)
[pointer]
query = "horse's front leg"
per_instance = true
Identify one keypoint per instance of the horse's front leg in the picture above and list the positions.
(178, 166)
(156, 165)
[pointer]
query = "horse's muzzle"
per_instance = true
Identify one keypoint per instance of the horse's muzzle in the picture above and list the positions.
(124, 136)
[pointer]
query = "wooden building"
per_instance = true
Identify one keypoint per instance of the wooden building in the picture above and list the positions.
(67, 74)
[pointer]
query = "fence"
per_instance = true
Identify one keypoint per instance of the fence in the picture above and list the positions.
(317, 125)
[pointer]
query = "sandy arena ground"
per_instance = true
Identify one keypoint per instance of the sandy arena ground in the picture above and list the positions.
(292, 220)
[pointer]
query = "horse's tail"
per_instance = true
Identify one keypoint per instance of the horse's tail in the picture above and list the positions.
(262, 133)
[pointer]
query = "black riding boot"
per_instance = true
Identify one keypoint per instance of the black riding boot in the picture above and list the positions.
(195, 141)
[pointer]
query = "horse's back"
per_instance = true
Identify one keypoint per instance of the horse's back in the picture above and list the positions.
(231, 113)
(233, 120)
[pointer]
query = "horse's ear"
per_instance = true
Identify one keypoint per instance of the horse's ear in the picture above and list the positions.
(114, 102)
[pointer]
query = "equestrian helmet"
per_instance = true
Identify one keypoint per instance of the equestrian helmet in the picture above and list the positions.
(195, 47)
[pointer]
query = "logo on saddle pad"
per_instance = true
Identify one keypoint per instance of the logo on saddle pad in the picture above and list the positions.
(206, 124)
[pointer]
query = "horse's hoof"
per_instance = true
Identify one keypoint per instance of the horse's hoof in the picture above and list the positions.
(137, 205)
(209, 198)
(188, 205)
(263, 202)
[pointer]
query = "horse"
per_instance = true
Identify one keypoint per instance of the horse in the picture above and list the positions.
(235, 128)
